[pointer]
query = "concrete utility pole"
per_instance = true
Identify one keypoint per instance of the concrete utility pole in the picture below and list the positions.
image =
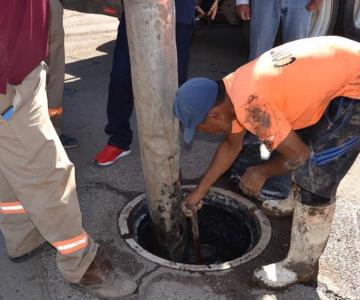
(151, 34)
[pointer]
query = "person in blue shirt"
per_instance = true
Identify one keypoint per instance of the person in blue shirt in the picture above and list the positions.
(120, 96)
(266, 17)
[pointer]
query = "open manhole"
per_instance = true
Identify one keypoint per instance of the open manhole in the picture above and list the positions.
(232, 230)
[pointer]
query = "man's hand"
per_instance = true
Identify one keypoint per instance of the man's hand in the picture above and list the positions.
(243, 11)
(192, 203)
(291, 154)
(252, 181)
(211, 13)
(200, 11)
(223, 159)
(313, 5)
(213, 10)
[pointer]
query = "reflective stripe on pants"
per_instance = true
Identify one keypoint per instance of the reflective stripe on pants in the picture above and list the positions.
(72, 245)
(11, 208)
(35, 169)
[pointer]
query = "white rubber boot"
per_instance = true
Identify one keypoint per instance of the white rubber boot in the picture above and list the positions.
(281, 208)
(309, 234)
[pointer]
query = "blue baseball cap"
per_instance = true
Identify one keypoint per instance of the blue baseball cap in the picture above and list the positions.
(193, 101)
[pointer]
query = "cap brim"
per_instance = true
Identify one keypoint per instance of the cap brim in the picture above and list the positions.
(189, 134)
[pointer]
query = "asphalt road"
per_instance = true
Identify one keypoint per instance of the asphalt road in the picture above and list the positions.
(104, 191)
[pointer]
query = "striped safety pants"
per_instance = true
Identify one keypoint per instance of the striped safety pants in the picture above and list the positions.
(38, 199)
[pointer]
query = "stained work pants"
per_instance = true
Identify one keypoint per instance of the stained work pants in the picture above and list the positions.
(335, 144)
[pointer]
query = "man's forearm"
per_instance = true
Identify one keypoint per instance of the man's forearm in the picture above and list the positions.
(279, 165)
(222, 161)
(291, 154)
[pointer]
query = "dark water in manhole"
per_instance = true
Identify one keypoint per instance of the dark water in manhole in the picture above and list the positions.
(225, 234)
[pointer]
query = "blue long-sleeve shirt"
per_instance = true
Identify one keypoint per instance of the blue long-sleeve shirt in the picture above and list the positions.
(185, 11)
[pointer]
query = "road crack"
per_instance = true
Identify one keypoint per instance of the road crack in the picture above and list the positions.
(146, 274)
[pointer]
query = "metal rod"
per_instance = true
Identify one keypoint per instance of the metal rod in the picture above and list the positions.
(196, 238)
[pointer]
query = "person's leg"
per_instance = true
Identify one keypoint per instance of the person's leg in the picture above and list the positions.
(21, 236)
(56, 65)
(309, 234)
(264, 25)
(37, 168)
(56, 71)
(335, 141)
(265, 20)
(295, 19)
(120, 99)
(120, 103)
(183, 42)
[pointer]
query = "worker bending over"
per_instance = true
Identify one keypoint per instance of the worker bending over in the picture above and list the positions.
(285, 97)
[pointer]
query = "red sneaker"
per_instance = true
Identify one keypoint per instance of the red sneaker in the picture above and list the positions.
(109, 155)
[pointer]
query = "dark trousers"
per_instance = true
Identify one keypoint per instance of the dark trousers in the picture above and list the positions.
(120, 99)
(335, 143)
(275, 188)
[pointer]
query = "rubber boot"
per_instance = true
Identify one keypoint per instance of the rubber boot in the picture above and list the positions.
(101, 279)
(281, 208)
(309, 234)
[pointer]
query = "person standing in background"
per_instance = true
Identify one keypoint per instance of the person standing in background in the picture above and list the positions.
(56, 72)
(120, 97)
(265, 17)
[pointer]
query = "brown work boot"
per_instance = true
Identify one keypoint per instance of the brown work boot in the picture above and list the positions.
(103, 281)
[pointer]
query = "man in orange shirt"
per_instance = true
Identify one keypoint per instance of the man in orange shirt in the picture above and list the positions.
(285, 98)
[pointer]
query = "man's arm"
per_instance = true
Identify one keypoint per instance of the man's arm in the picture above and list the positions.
(314, 5)
(213, 9)
(223, 159)
(243, 9)
(292, 153)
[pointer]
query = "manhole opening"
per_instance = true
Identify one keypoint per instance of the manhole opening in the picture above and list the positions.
(232, 229)
(224, 234)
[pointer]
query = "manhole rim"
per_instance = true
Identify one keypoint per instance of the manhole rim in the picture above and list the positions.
(262, 220)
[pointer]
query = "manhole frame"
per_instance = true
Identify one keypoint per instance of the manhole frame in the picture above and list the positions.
(261, 219)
